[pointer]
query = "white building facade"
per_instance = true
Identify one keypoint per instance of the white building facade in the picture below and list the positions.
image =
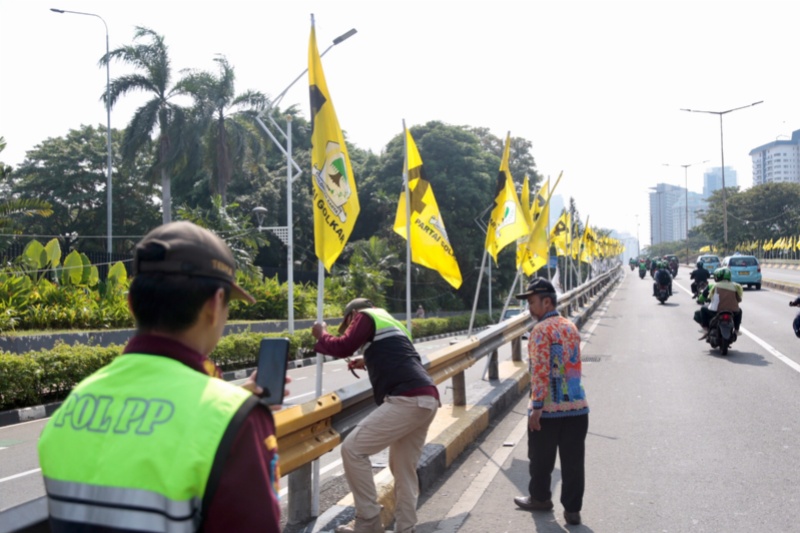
(662, 223)
(680, 214)
(777, 161)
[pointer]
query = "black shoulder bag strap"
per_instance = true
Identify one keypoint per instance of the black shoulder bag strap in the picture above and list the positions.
(224, 450)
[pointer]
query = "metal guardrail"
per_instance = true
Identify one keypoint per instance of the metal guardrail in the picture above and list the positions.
(307, 431)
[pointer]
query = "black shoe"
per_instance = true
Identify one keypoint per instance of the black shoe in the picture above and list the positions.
(529, 504)
(573, 519)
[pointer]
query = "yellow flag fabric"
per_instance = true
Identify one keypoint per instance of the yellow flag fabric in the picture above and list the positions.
(589, 243)
(522, 242)
(430, 246)
(539, 239)
(560, 233)
(336, 206)
(507, 222)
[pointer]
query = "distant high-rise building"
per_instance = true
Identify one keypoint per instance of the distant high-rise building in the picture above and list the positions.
(662, 201)
(630, 242)
(697, 205)
(712, 180)
(777, 161)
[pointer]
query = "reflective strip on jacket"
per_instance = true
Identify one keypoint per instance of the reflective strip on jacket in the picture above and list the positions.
(133, 445)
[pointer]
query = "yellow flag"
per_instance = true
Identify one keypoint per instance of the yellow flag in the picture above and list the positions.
(560, 233)
(336, 204)
(589, 242)
(522, 242)
(430, 246)
(506, 223)
(539, 239)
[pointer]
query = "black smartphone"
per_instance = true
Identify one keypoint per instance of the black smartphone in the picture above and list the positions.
(272, 362)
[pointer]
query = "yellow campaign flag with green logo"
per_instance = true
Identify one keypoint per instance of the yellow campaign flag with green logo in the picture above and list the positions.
(561, 232)
(336, 204)
(507, 222)
(522, 242)
(430, 246)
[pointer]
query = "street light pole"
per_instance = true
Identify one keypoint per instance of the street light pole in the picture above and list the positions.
(686, 200)
(722, 154)
(109, 225)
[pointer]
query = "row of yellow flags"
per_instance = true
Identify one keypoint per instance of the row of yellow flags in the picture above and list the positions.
(782, 243)
(336, 205)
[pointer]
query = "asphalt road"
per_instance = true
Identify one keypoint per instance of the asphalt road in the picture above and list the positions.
(680, 437)
(21, 480)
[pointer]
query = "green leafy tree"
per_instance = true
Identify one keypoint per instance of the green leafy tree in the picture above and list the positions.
(225, 122)
(462, 170)
(762, 212)
(234, 227)
(70, 172)
(150, 57)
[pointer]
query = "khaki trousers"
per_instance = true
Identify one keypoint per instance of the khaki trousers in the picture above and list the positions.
(400, 424)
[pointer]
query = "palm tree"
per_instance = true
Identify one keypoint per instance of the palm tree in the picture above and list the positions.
(151, 58)
(225, 121)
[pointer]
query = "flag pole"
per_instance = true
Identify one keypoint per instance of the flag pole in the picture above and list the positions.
(315, 476)
(408, 227)
(477, 293)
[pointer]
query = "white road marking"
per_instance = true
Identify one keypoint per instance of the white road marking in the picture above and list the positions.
(21, 474)
(472, 495)
(300, 396)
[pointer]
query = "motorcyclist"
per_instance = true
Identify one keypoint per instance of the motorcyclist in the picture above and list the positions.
(729, 295)
(699, 275)
(673, 267)
(654, 266)
(642, 267)
(662, 277)
(796, 322)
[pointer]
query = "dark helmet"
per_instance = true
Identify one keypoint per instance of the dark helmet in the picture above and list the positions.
(700, 264)
(722, 274)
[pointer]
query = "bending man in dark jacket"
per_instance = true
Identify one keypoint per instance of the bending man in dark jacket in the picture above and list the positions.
(407, 401)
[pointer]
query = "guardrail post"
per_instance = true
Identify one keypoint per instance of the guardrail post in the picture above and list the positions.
(493, 371)
(459, 389)
(516, 349)
(299, 494)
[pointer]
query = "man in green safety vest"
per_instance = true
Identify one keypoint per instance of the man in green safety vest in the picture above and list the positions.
(407, 402)
(155, 441)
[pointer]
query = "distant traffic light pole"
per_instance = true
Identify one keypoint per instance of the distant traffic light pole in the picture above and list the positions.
(722, 152)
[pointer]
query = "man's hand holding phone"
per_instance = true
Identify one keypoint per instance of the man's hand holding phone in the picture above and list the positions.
(253, 387)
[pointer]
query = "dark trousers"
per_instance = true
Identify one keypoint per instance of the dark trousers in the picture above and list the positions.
(707, 314)
(566, 435)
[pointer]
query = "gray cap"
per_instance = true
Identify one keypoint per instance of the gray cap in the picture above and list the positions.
(354, 305)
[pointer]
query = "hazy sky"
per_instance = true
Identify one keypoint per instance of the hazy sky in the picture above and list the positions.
(596, 86)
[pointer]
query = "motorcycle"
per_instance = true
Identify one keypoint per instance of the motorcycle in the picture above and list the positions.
(631, 265)
(642, 271)
(662, 293)
(721, 333)
(796, 321)
(702, 288)
(673, 268)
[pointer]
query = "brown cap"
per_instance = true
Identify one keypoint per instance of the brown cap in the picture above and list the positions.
(183, 248)
(536, 286)
(354, 305)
